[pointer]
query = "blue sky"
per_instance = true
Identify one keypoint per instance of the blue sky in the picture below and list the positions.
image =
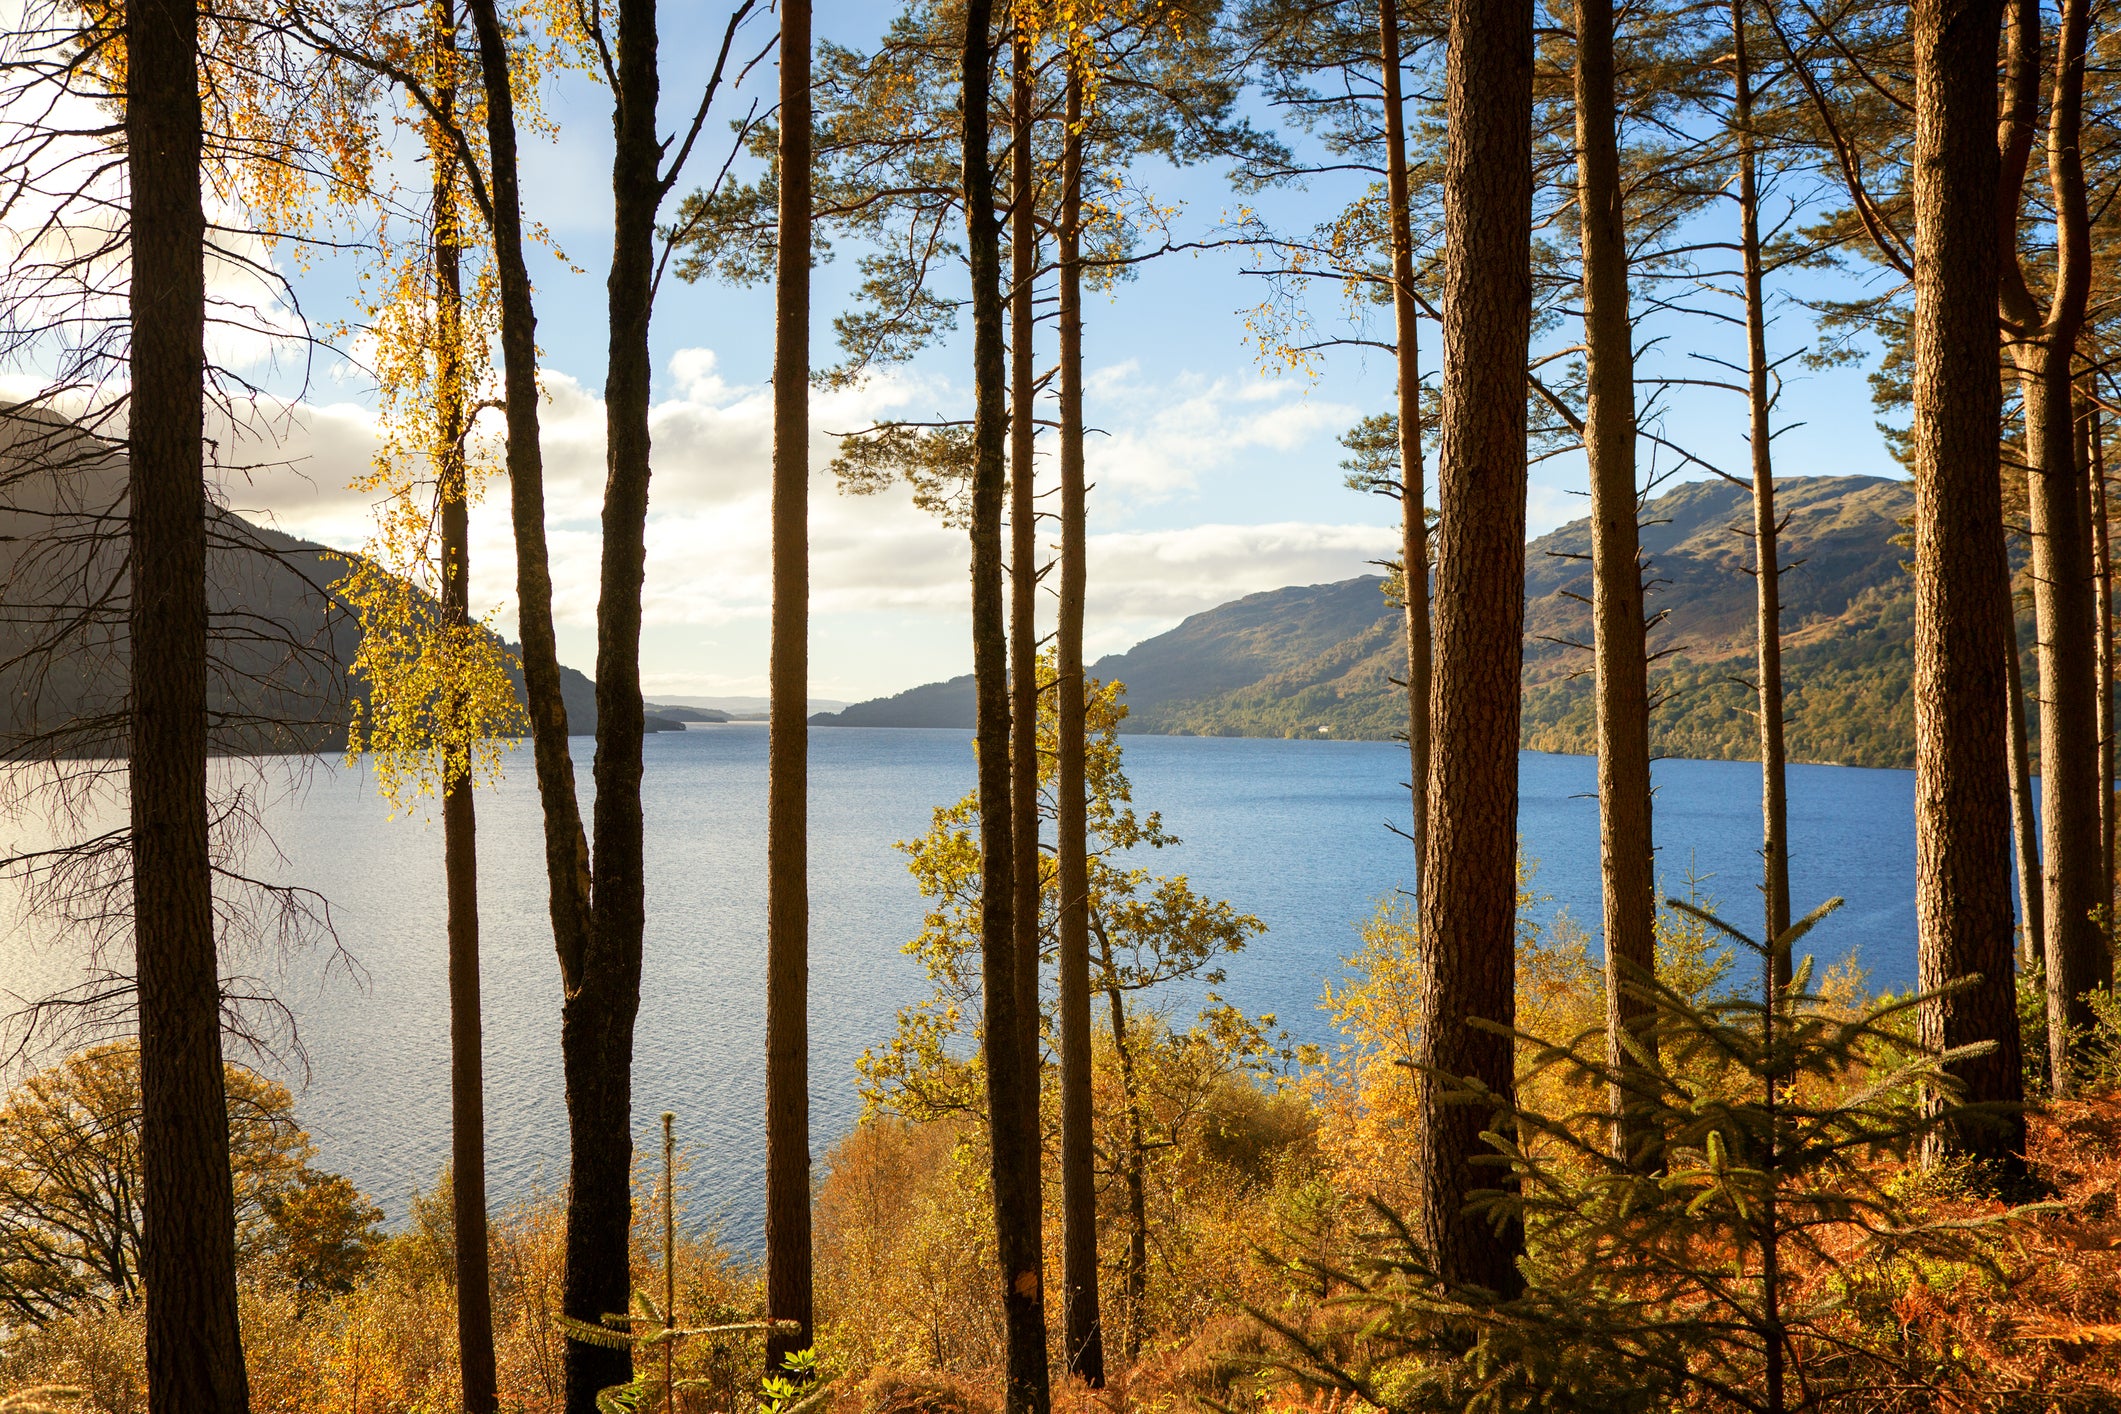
(1215, 478)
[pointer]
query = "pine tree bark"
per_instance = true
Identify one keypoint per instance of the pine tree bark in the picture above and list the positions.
(1469, 875)
(1023, 550)
(1083, 1322)
(1962, 812)
(1012, 1093)
(1767, 529)
(460, 848)
(188, 1257)
(2041, 343)
(1625, 854)
(2103, 617)
(1413, 507)
(2025, 819)
(788, 1246)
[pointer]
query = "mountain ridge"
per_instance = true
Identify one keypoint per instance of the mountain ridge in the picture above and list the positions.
(280, 641)
(1318, 660)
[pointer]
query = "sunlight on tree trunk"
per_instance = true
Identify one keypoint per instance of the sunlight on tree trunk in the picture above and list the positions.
(1413, 504)
(2041, 342)
(2025, 815)
(1767, 555)
(1626, 864)
(1469, 879)
(2103, 617)
(1962, 800)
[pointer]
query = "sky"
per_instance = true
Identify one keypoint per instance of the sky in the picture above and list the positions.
(1213, 475)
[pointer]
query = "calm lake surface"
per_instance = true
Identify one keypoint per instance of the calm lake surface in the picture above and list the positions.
(1292, 831)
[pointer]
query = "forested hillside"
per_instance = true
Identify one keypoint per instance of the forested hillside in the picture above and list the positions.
(281, 639)
(1320, 660)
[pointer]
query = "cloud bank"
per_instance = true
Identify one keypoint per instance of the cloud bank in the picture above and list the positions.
(889, 584)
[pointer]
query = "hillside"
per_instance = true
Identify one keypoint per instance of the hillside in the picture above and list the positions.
(1292, 661)
(280, 641)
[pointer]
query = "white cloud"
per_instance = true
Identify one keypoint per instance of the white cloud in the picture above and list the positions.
(1162, 435)
(889, 587)
(1172, 573)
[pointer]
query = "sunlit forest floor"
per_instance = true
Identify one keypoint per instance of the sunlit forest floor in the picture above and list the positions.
(908, 1321)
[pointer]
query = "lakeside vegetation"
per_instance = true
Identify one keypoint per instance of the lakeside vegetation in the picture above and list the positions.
(1665, 1164)
(1249, 1222)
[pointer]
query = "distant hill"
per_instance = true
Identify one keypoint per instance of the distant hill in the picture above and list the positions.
(1291, 661)
(677, 716)
(280, 644)
(740, 709)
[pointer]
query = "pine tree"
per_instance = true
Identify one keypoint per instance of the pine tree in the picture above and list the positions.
(1625, 852)
(1760, 1242)
(1469, 874)
(1962, 870)
(188, 1266)
(1012, 1086)
(788, 1249)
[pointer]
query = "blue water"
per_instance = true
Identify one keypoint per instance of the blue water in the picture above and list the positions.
(1294, 832)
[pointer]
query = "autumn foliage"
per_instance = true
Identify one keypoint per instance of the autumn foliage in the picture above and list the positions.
(1269, 1180)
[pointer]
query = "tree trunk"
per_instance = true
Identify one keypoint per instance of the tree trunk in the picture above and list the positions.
(1413, 509)
(1012, 1093)
(1136, 1176)
(1469, 879)
(2042, 343)
(2069, 763)
(599, 1201)
(596, 1020)
(460, 852)
(2025, 819)
(1625, 850)
(566, 848)
(1023, 552)
(1767, 529)
(188, 1258)
(1962, 804)
(2103, 617)
(1085, 1348)
(788, 1257)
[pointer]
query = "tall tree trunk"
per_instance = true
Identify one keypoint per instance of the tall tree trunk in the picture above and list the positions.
(1962, 803)
(1767, 529)
(1084, 1327)
(2042, 344)
(1012, 1092)
(1469, 875)
(566, 847)
(584, 973)
(1413, 508)
(188, 1257)
(2069, 763)
(2103, 617)
(2025, 818)
(1137, 1159)
(597, 1018)
(1625, 850)
(1023, 549)
(788, 1258)
(460, 850)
